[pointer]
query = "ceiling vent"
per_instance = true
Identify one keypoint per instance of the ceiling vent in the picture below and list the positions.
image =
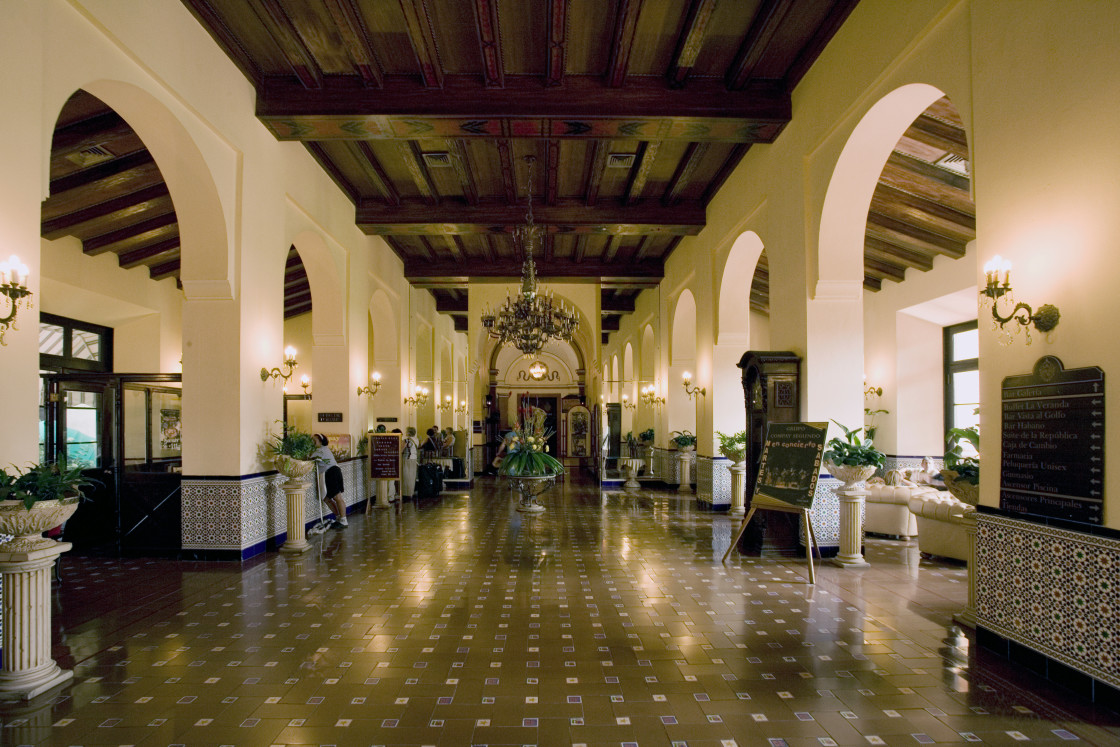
(437, 160)
(90, 156)
(620, 160)
(953, 163)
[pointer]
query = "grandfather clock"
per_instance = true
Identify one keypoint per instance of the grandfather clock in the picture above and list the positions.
(772, 391)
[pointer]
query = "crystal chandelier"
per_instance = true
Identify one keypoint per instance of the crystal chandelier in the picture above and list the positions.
(528, 320)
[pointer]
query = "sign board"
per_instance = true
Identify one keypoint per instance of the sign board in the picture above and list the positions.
(330, 417)
(386, 420)
(384, 456)
(790, 463)
(1053, 442)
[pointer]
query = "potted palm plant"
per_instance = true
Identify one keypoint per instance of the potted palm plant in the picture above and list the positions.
(290, 452)
(683, 440)
(734, 447)
(852, 459)
(37, 499)
(962, 473)
(646, 436)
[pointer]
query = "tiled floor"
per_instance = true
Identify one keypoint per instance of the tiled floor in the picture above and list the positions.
(607, 620)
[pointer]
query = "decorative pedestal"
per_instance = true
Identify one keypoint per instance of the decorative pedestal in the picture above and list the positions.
(851, 497)
(528, 488)
(686, 478)
(631, 466)
(28, 669)
(382, 494)
(297, 535)
(648, 451)
(967, 616)
(738, 505)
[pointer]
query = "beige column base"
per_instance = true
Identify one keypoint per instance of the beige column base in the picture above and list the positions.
(967, 616)
(738, 505)
(382, 494)
(851, 529)
(297, 531)
(28, 669)
(686, 477)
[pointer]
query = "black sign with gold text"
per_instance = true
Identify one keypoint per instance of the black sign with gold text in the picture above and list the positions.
(385, 456)
(1053, 442)
(791, 462)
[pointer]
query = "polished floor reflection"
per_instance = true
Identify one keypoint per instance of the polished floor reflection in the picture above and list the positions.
(606, 620)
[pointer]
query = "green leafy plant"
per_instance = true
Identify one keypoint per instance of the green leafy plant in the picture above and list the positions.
(528, 450)
(292, 442)
(682, 439)
(851, 450)
(363, 445)
(734, 447)
(966, 467)
(42, 482)
(646, 435)
(630, 438)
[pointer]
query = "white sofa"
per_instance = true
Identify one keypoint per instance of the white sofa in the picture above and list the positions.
(888, 509)
(941, 524)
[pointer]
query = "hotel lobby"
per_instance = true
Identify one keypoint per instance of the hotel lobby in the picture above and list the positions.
(236, 219)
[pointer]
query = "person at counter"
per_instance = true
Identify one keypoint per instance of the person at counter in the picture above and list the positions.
(327, 467)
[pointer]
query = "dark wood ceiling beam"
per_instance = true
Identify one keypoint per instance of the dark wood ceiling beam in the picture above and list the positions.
(635, 284)
(423, 39)
(490, 42)
(763, 26)
(551, 171)
(610, 249)
(161, 271)
(608, 218)
(426, 249)
(297, 310)
(460, 161)
(610, 323)
(879, 268)
(625, 29)
(903, 234)
(595, 172)
(457, 247)
(690, 41)
(328, 165)
(414, 162)
(462, 323)
(557, 41)
(929, 171)
(505, 159)
(377, 174)
(887, 252)
(872, 283)
(348, 19)
(124, 205)
(116, 167)
(939, 134)
(824, 32)
(445, 305)
(684, 172)
(88, 132)
(919, 204)
(612, 303)
(643, 273)
(98, 244)
(647, 154)
(931, 189)
(279, 26)
(226, 38)
(725, 170)
(145, 254)
(298, 297)
(585, 108)
(640, 251)
(580, 248)
(488, 252)
(294, 277)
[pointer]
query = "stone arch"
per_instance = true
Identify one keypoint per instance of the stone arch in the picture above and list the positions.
(854, 178)
(206, 269)
(386, 341)
(629, 386)
(682, 346)
(649, 354)
(328, 318)
(733, 318)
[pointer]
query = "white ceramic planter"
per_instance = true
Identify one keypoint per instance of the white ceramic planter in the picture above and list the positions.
(28, 525)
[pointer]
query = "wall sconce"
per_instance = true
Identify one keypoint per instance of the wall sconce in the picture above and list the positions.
(289, 362)
(691, 391)
(375, 381)
(627, 403)
(1044, 320)
(419, 398)
(649, 397)
(462, 408)
(445, 406)
(13, 284)
(305, 384)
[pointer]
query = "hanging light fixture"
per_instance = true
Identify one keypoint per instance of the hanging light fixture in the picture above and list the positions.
(530, 319)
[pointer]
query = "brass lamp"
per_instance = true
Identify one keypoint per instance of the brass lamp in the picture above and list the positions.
(305, 384)
(374, 387)
(691, 391)
(289, 363)
(649, 396)
(419, 397)
(445, 406)
(997, 272)
(13, 285)
(627, 403)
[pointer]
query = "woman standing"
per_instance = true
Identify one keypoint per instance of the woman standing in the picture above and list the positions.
(326, 465)
(409, 455)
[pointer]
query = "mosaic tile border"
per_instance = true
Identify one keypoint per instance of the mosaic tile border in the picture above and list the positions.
(1051, 590)
(713, 481)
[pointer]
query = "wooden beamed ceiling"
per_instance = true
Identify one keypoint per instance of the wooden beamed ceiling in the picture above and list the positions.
(422, 111)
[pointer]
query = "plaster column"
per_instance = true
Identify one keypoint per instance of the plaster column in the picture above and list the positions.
(331, 384)
(297, 529)
(851, 528)
(738, 504)
(686, 480)
(28, 669)
(382, 494)
(967, 616)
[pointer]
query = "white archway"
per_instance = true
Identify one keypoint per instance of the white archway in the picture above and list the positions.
(682, 358)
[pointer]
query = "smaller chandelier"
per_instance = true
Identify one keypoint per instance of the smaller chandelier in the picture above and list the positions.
(13, 286)
(529, 320)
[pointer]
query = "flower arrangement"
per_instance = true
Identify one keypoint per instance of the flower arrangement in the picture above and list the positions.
(528, 450)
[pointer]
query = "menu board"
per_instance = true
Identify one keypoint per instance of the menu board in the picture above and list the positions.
(1053, 442)
(791, 462)
(384, 456)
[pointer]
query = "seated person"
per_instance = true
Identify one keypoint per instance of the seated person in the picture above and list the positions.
(432, 443)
